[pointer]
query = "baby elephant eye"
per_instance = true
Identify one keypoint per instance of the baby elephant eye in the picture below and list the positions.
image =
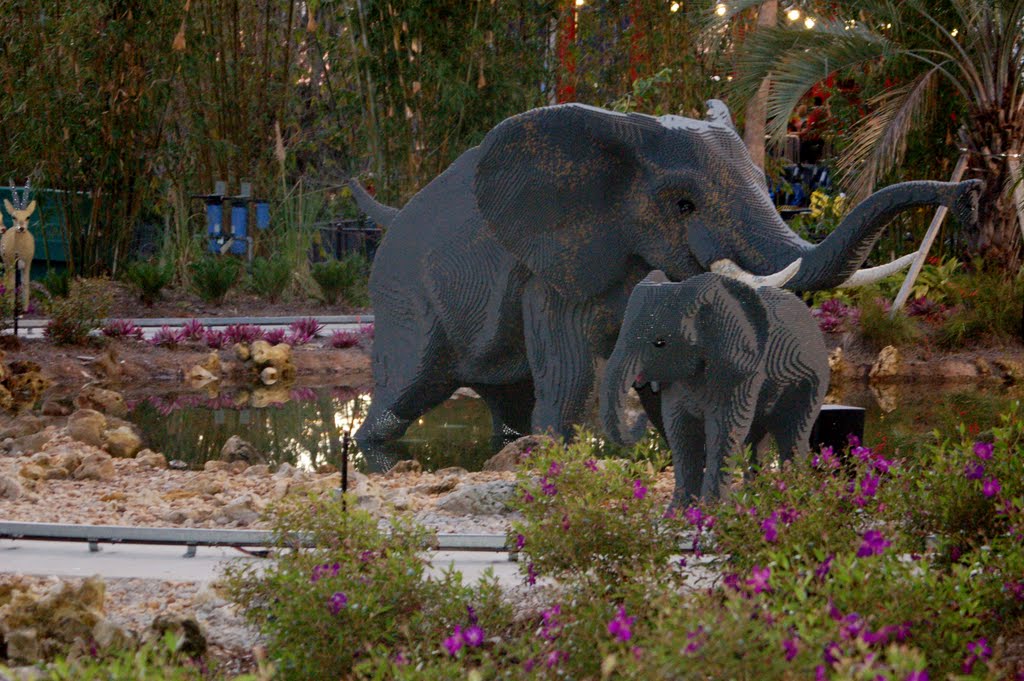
(686, 207)
(659, 343)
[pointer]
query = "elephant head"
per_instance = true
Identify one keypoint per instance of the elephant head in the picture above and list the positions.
(681, 332)
(583, 196)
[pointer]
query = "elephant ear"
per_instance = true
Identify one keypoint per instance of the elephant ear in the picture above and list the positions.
(730, 321)
(552, 186)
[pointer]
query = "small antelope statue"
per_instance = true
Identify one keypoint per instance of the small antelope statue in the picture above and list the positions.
(17, 245)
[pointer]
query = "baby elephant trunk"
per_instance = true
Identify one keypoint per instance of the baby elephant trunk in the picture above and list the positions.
(621, 373)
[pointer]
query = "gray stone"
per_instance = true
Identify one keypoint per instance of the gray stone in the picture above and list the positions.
(440, 487)
(24, 424)
(403, 467)
(96, 466)
(237, 449)
(151, 459)
(512, 454)
(10, 489)
(487, 498)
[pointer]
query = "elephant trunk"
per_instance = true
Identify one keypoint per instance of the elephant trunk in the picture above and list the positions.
(619, 377)
(839, 256)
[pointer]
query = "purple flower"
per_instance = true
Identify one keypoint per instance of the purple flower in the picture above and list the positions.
(770, 528)
(861, 453)
(991, 487)
(453, 644)
(788, 516)
(873, 544)
(1016, 589)
(620, 626)
(694, 516)
(554, 469)
(548, 487)
(639, 491)
(695, 639)
(826, 459)
(983, 450)
(789, 645)
(759, 579)
(824, 567)
(473, 636)
(882, 465)
(819, 673)
(337, 601)
(832, 652)
(590, 464)
(520, 542)
(977, 651)
(869, 485)
(917, 675)
(555, 658)
(471, 614)
(974, 470)
(531, 575)
(732, 580)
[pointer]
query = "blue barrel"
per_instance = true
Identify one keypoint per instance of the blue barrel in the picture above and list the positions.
(214, 220)
(262, 214)
(239, 219)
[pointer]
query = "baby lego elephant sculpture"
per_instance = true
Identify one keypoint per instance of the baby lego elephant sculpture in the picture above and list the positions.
(731, 363)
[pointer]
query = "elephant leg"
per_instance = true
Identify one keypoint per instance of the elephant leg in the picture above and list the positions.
(561, 361)
(411, 376)
(511, 407)
(792, 425)
(726, 427)
(685, 435)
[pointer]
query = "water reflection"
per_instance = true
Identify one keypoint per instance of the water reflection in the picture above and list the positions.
(305, 427)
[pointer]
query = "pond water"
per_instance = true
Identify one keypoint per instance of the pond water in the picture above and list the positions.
(305, 426)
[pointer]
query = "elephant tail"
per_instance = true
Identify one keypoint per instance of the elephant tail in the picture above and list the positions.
(378, 212)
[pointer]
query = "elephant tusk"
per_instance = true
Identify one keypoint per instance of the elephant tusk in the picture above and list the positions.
(873, 274)
(730, 269)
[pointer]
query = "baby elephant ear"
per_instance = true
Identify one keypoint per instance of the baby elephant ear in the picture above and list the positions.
(552, 186)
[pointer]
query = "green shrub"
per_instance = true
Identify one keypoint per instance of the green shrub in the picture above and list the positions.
(213, 276)
(987, 306)
(149, 278)
(74, 317)
(878, 328)
(57, 283)
(345, 279)
(361, 592)
(271, 276)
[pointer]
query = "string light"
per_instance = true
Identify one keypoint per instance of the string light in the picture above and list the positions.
(580, 3)
(721, 9)
(674, 7)
(954, 32)
(808, 23)
(793, 14)
(987, 155)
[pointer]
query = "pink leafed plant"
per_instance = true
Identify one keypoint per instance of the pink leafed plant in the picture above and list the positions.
(122, 328)
(297, 338)
(242, 333)
(275, 336)
(308, 327)
(193, 330)
(167, 337)
(344, 339)
(366, 331)
(214, 339)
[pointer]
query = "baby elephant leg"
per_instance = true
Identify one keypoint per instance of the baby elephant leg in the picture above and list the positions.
(726, 426)
(685, 434)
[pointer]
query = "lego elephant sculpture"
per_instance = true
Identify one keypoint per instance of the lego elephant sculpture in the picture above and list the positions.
(730, 364)
(509, 273)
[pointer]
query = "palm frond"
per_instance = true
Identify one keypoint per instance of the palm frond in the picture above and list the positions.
(880, 140)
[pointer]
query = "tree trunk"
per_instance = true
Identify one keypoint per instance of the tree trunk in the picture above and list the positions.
(757, 108)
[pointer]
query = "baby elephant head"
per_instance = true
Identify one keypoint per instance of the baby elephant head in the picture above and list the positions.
(680, 333)
(21, 209)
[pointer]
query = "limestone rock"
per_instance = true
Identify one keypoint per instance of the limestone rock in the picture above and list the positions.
(212, 363)
(108, 635)
(199, 376)
(122, 442)
(238, 467)
(55, 407)
(512, 454)
(96, 466)
(1012, 369)
(487, 498)
(266, 396)
(269, 376)
(242, 352)
(285, 470)
(22, 425)
(41, 625)
(440, 487)
(27, 444)
(244, 510)
(457, 471)
(277, 356)
(237, 449)
(403, 467)
(887, 366)
(150, 459)
(214, 466)
(10, 488)
(102, 400)
(87, 425)
(106, 365)
(32, 471)
(66, 456)
(257, 471)
(838, 365)
(314, 484)
(186, 628)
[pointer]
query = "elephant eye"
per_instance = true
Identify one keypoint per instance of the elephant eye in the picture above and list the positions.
(686, 206)
(659, 343)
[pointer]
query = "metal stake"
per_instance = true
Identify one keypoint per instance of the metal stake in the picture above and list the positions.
(344, 468)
